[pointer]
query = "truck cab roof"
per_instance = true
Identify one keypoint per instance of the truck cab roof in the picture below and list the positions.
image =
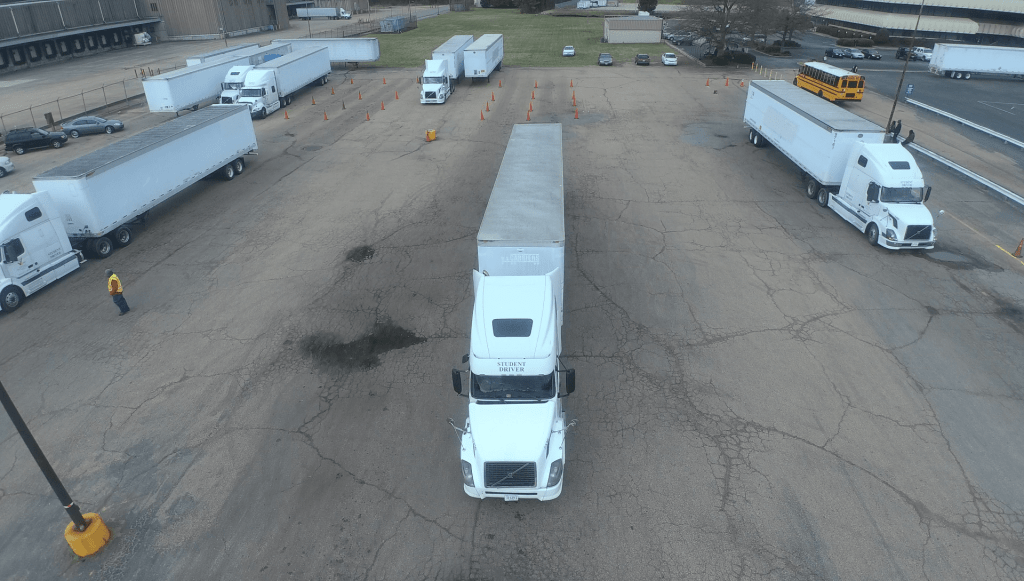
(435, 68)
(514, 317)
(891, 161)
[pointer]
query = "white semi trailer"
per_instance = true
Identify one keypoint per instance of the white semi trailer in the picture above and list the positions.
(341, 50)
(93, 203)
(512, 445)
(484, 56)
(963, 61)
(220, 52)
(331, 13)
(453, 51)
(272, 85)
(190, 87)
(847, 165)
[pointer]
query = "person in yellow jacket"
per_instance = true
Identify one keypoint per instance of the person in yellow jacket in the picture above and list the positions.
(115, 289)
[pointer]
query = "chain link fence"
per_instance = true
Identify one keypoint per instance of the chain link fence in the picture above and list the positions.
(65, 108)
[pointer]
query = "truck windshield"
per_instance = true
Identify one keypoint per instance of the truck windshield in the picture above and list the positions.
(433, 80)
(251, 93)
(902, 195)
(513, 386)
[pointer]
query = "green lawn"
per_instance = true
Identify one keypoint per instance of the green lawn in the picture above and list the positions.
(531, 40)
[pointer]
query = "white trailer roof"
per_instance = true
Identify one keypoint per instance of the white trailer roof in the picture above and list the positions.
(528, 201)
(290, 57)
(110, 155)
(454, 43)
(484, 42)
(816, 109)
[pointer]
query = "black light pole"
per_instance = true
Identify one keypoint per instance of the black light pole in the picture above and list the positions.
(906, 63)
(62, 494)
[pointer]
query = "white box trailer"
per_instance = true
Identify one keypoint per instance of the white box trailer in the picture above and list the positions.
(513, 441)
(961, 61)
(270, 86)
(332, 13)
(848, 167)
(340, 50)
(101, 193)
(189, 87)
(213, 54)
(484, 56)
(454, 52)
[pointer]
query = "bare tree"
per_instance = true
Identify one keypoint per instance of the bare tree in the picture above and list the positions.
(792, 16)
(647, 5)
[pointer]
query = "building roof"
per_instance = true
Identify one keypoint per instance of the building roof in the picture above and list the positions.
(1015, 6)
(633, 23)
(897, 21)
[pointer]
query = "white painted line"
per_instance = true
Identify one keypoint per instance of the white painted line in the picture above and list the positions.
(978, 178)
(983, 129)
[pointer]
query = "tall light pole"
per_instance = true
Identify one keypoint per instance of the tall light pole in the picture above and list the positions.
(906, 63)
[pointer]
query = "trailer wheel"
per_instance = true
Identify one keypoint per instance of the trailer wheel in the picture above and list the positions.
(11, 299)
(872, 234)
(123, 236)
(967, 76)
(102, 247)
(958, 75)
(239, 165)
(759, 140)
(823, 196)
(229, 171)
(750, 136)
(195, 107)
(812, 188)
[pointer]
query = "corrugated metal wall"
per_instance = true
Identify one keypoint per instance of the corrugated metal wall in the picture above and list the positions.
(206, 17)
(26, 20)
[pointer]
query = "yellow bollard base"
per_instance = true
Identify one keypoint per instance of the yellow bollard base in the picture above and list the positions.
(89, 541)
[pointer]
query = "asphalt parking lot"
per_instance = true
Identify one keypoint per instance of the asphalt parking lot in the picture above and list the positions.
(760, 393)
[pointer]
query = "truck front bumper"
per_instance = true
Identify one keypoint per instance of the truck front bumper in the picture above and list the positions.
(906, 245)
(516, 493)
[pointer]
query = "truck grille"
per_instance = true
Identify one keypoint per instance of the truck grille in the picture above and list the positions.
(429, 95)
(510, 474)
(919, 233)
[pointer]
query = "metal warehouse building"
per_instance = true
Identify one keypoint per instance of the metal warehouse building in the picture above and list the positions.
(999, 22)
(632, 29)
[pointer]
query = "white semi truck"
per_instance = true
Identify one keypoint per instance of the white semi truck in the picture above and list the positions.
(445, 67)
(484, 56)
(272, 85)
(93, 203)
(331, 13)
(231, 86)
(341, 50)
(847, 165)
(962, 61)
(512, 445)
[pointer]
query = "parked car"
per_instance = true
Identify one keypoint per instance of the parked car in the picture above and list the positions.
(872, 54)
(604, 59)
(568, 51)
(21, 140)
(853, 53)
(6, 166)
(642, 59)
(904, 53)
(669, 59)
(836, 53)
(90, 125)
(921, 53)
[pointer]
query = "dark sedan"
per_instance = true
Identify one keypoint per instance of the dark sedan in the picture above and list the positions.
(872, 54)
(89, 125)
(604, 59)
(642, 59)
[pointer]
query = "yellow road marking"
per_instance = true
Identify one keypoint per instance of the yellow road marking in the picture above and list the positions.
(986, 238)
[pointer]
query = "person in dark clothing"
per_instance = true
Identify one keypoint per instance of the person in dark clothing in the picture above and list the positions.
(115, 289)
(896, 131)
(909, 139)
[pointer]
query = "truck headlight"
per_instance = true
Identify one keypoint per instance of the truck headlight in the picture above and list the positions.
(467, 473)
(890, 234)
(555, 473)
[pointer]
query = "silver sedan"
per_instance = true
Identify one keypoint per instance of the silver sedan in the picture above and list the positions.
(88, 125)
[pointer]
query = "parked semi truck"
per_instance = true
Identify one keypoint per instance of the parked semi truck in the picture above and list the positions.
(963, 61)
(219, 53)
(231, 86)
(332, 13)
(484, 56)
(341, 50)
(272, 85)
(512, 445)
(94, 203)
(445, 67)
(847, 165)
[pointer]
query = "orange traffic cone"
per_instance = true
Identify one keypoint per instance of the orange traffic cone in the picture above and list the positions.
(332, 90)
(417, 80)
(527, 115)
(325, 115)
(574, 100)
(385, 80)
(481, 115)
(535, 84)
(396, 95)
(382, 105)
(726, 81)
(532, 95)
(708, 83)
(367, 115)
(351, 82)
(1019, 248)
(577, 114)
(285, 113)
(531, 105)
(488, 104)
(499, 83)
(360, 95)
(570, 82)
(492, 95)
(314, 100)
(741, 83)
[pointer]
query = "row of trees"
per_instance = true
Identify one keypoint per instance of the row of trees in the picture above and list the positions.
(716, 19)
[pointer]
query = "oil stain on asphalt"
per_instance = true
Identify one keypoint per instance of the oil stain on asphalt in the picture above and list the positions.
(362, 353)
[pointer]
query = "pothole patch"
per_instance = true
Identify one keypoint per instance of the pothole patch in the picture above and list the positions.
(359, 254)
(364, 352)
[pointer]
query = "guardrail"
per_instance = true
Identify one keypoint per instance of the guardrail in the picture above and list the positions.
(974, 176)
(982, 128)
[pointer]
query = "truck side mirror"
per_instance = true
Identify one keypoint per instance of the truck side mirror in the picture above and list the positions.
(457, 381)
(927, 193)
(873, 192)
(570, 381)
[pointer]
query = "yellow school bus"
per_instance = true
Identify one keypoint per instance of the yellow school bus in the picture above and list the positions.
(829, 82)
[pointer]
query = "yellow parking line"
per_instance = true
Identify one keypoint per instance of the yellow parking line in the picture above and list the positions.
(986, 238)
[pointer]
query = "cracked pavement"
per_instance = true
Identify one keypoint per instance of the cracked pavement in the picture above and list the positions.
(761, 394)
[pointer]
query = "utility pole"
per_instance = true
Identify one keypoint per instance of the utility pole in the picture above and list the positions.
(906, 63)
